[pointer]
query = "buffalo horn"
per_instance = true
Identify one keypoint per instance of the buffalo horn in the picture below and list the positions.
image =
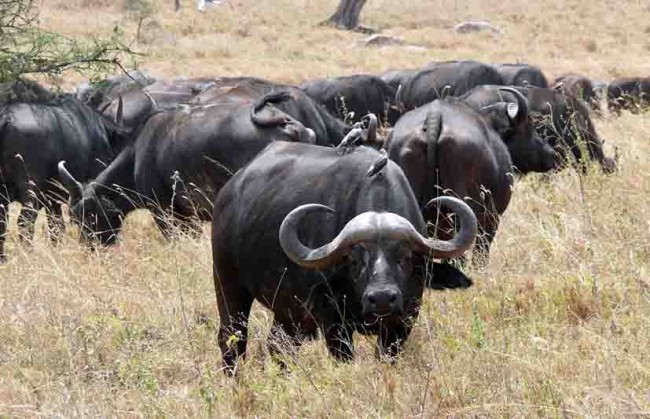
(522, 103)
(154, 105)
(462, 240)
(371, 134)
(120, 112)
(373, 226)
(71, 184)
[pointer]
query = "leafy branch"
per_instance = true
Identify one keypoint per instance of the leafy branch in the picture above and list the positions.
(25, 48)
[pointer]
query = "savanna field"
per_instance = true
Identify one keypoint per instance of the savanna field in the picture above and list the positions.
(557, 324)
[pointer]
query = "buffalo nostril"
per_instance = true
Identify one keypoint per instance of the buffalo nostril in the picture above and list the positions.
(382, 301)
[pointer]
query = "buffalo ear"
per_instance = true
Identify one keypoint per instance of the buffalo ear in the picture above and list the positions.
(500, 115)
(513, 110)
(446, 276)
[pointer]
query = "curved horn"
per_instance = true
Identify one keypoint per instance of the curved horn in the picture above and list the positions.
(371, 133)
(120, 111)
(102, 107)
(293, 247)
(154, 105)
(445, 92)
(398, 98)
(462, 240)
(398, 93)
(277, 118)
(522, 102)
(71, 184)
(373, 226)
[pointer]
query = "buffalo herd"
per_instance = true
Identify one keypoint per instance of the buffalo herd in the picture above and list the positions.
(334, 203)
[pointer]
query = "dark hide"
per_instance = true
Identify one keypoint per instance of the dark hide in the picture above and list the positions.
(529, 152)
(451, 78)
(631, 93)
(580, 87)
(181, 159)
(565, 122)
(33, 139)
(359, 94)
(522, 75)
(250, 264)
(446, 147)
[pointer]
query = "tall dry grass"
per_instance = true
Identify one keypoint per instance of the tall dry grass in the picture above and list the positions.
(557, 325)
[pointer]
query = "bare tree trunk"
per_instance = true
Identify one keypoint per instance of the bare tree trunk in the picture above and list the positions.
(347, 14)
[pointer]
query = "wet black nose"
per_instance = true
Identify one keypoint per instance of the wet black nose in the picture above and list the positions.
(382, 301)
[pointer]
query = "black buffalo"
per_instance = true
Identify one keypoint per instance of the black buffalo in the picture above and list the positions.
(358, 269)
(631, 93)
(446, 147)
(180, 160)
(358, 94)
(522, 75)
(397, 78)
(98, 93)
(452, 78)
(33, 139)
(564, 121)
(24, 91)
(507, 111)
(580, 87)
(328, 129)
(139, 103)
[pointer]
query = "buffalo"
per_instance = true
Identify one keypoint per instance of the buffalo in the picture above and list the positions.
(139, 103)
(328, 129)
(24, 91)
(631, 93)
(580, 87)
(98, 93)
(33, 139)
(358, 94)
(507, 111)
(521, 75)
(361, 268)
(446, 147)
(397, 78)
(452, 78)
(564, 121)
(179, 162)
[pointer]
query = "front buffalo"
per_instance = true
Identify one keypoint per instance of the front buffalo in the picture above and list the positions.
(326, 240)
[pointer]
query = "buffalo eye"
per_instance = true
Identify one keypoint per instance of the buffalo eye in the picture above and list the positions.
(405, 256)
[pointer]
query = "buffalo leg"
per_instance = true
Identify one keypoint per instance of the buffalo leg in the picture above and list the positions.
(338, 338)
(26, 222)
(234, 308)
(4, 216)
(390, 342)
(284, 340)
(55, 222)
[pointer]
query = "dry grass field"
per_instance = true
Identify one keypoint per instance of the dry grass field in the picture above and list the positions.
(558, 324)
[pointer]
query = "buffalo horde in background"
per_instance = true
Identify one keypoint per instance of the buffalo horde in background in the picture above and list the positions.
(457, 128)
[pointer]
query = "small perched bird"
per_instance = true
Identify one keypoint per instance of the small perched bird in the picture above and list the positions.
(379, 164)
(353, 139)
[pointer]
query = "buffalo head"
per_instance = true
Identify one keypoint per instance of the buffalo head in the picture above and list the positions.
(378, 249)
(98, 216)
(529, 152)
